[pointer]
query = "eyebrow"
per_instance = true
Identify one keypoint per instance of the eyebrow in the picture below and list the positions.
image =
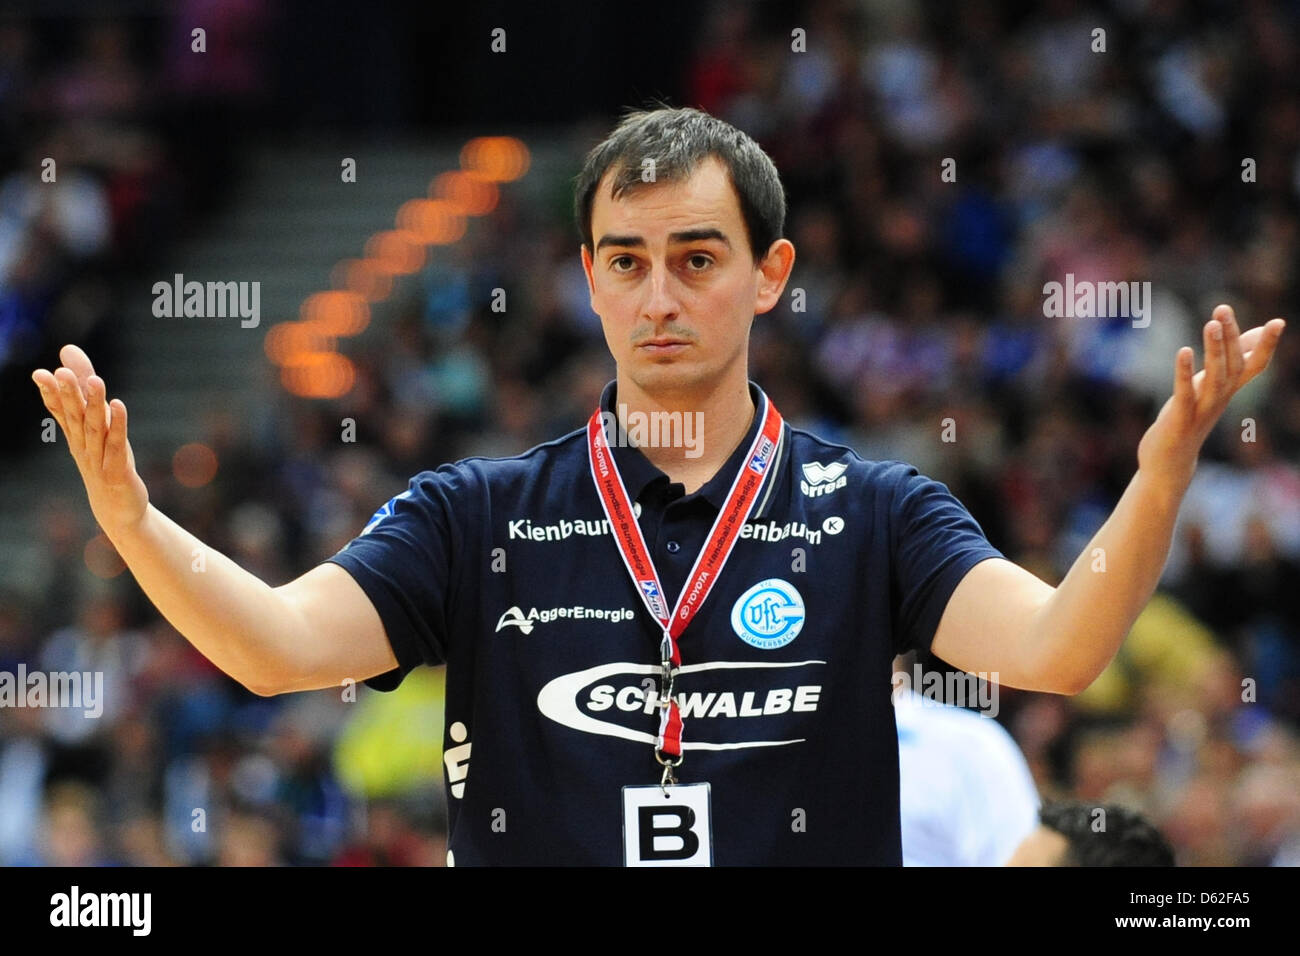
(690, 235)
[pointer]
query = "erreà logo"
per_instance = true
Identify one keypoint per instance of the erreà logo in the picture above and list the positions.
(819, 479)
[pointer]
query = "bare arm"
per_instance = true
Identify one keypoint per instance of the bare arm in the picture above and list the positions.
(1002, 618)
(310, 633)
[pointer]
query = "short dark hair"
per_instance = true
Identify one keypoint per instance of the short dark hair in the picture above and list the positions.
(678, 140)
(1128, 838)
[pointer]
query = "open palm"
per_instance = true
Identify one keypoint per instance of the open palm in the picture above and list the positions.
(95, 430)
(1232, 358)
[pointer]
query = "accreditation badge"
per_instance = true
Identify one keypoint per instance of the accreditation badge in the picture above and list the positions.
(667, 825)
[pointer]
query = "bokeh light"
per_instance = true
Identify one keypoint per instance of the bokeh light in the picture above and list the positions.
(469, 192)
(499, 158)
(318, 375)
(364, 277)
(194, 465)
(102, 558)
(285, 339)
(396, 252)
(437, 222)
(334, 313)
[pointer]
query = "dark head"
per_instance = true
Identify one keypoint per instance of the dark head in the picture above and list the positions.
(1081, 834)
(666, 145)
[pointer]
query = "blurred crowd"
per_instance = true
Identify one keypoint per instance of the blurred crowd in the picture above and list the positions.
(922, 301)
(109, 151)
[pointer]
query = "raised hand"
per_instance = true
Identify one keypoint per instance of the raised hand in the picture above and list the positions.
(96, 434)
(1232, 358)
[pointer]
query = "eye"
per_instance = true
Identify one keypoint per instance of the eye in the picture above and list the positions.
(702, 258)
(613, 263)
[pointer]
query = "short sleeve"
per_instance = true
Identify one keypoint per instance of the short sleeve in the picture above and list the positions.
(402, 560)
(934, 541)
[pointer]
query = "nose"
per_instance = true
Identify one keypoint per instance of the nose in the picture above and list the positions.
(661, 304)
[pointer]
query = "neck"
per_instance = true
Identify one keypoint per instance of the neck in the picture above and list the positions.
(698, 433)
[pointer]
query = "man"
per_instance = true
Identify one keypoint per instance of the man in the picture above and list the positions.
(562, 589)
(1076, 834)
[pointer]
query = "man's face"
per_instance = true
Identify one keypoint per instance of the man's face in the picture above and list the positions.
(674, 282)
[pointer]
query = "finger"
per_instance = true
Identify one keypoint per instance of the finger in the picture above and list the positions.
(79, 362)
(115, 456)
(1216, 367)
(1231, 343)
(74, 407)
(50, 395)
(1252, 338)
(1259, 356)
(1184, 393)
(96, 421)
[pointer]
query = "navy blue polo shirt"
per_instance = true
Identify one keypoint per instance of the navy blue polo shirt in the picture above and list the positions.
(505, 570)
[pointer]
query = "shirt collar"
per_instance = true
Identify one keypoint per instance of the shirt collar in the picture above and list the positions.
(638, 472)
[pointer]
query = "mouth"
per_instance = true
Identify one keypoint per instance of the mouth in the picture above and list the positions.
(664, 345)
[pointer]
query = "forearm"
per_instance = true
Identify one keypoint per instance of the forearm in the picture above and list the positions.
(235, 619)
(1081, 626)
(1003, 620)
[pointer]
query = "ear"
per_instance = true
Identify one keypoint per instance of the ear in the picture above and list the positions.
(773, 273)
(587, 268)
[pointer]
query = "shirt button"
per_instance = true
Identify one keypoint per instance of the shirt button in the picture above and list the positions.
(673, 547)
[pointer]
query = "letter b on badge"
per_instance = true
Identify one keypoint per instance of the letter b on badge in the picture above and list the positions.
(673, 829)
(649, 820)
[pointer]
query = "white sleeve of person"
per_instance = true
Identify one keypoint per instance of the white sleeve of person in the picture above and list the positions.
(967, 797)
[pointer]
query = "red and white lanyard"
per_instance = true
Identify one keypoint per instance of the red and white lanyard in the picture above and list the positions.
(708, 564)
